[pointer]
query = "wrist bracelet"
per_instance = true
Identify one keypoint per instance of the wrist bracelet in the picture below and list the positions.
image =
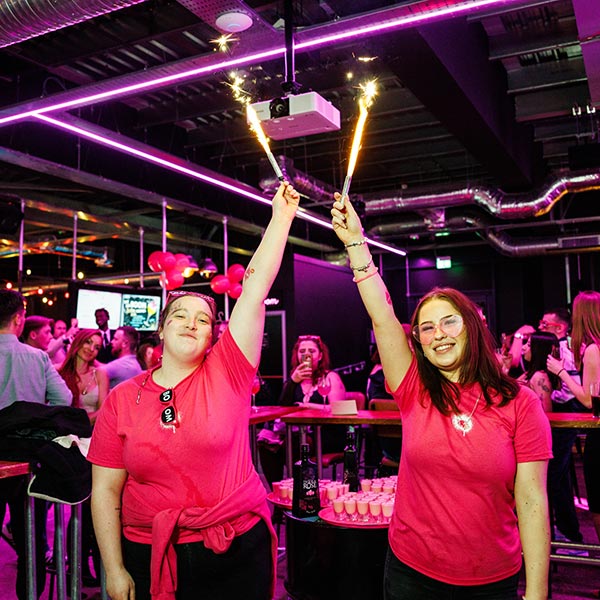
(366, 276)
(558, 374)
(359, 243)
(364, 268)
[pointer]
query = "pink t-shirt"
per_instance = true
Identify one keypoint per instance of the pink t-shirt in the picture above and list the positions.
(198, 464)
(454, 518)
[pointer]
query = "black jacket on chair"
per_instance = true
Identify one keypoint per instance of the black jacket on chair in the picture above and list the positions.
(26, 433)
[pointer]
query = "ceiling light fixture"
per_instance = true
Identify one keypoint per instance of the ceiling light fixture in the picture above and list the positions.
(233, 21)
(185, 168)
(410, 16)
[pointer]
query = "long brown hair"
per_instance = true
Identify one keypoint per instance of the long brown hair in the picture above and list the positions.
(68, 370)
(323, 366)
(586, 323)
(479, 361)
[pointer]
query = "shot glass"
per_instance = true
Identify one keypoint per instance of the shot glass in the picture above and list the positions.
(375, 510)
(362, 506)
(387, 508)
(365, 485)
(338, 509)
(350, 506)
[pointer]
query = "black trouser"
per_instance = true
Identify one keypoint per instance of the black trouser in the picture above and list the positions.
(14, 492)
(244, 571)
(403, 583)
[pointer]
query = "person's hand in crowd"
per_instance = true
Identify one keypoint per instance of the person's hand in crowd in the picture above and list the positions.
(554, 365)
(303, 371)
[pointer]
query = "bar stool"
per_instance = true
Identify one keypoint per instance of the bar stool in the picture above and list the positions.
(59, 575)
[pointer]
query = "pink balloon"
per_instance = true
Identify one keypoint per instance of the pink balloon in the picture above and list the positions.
(173, 279)
(235, 291)
(154, 260)
(182, 262)
(168, 261)
(220, 284)
(236, 273)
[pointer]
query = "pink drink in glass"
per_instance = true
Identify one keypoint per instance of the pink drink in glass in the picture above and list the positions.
(338, 508)
(362, 506)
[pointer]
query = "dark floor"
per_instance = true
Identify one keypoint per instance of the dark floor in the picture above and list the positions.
(569, 581)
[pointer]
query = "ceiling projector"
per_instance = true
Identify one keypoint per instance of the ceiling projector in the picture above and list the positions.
(296, 115)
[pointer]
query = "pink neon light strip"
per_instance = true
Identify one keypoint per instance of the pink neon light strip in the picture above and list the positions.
(180, 168)
(402, 21)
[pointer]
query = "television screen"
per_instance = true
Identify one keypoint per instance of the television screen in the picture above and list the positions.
(125, 306)
(140, 311)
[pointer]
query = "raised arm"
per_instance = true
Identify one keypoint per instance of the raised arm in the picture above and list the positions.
(393, 347)
(248, 316)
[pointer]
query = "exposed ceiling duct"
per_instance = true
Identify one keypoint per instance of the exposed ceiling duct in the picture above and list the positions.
(22, 20)
(499, 239)
(496, 202)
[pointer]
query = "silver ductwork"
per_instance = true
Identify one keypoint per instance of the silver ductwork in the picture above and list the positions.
(496, 202)
(22, 20)
(498, 239)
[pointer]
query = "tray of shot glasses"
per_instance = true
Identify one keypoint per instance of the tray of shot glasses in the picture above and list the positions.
(370, 507)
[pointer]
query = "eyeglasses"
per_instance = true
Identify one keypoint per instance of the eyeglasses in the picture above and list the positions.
(451, 325)
(544, 324)
(169, 414)
(172, 296)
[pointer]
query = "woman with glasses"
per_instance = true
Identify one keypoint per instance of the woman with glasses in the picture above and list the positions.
(471, 491)
(178, 507)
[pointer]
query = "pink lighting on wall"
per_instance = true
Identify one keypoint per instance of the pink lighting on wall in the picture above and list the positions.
(410, 15)
(186, 169)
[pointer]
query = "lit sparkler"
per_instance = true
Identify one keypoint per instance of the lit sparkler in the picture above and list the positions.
(243, 97)
(369, 90)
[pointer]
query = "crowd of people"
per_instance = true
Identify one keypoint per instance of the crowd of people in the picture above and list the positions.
(178, 509)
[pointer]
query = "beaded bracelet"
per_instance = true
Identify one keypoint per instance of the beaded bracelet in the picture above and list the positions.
(366, 276)
(359, 243)
(364, 268)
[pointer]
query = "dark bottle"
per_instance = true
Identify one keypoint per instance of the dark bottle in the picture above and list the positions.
(351, 460)
(305, 502)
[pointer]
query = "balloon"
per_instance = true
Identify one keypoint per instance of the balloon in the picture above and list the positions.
(220, 284)
(173, 279)
(168, 261)
(182, 262)
(235, 291)
(236, 273)
(154, 260)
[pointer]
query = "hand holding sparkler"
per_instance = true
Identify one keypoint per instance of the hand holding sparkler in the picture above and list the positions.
(369, 90)
(244, 98)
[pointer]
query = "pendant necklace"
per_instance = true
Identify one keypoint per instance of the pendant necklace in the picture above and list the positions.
(464, 422)
(91, 378)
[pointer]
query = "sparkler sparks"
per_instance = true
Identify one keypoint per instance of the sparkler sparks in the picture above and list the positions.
(369, 91)
(223, 41)
(244, 98)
